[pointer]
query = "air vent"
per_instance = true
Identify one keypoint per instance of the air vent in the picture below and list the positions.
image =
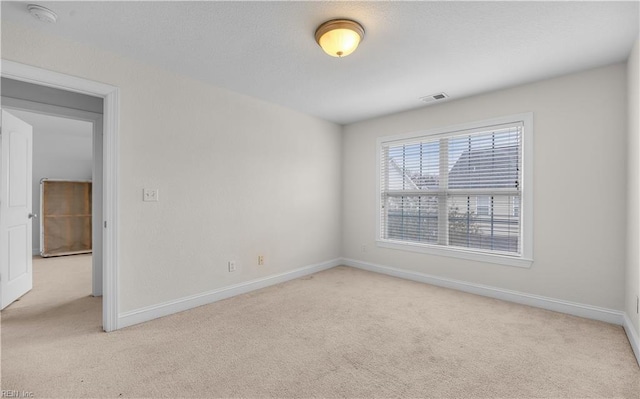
(433, 97)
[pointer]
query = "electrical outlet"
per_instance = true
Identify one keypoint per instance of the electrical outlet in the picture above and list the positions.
(232, 266)
(260, 260)
(363, 248)
(150, 195)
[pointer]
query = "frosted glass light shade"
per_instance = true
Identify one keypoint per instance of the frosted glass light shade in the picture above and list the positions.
(339, 37)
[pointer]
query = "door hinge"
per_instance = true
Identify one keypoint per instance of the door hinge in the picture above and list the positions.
(105, 224)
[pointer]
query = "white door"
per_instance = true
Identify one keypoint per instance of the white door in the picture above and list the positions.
(16, 147)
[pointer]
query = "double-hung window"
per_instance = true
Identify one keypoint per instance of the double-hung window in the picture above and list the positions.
(462, 191)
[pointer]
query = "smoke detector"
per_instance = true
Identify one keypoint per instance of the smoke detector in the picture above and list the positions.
(433, 97)
(42, 13)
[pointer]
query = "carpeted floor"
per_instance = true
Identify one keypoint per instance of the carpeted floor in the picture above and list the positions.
(339, 333)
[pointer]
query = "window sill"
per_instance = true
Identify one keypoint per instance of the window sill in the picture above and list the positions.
(457, 253)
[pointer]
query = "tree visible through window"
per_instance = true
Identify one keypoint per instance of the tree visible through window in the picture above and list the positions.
(457, 189)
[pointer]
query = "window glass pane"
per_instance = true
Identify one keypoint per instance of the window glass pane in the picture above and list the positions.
(482, 204)
(497, 230)
(412, 218)
(413, 166)
(464, 229)
(485, 160)
(455, 189)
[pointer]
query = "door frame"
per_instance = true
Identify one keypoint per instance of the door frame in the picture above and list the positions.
(110, 156)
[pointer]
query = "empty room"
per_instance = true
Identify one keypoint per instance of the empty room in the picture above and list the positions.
(322, 199)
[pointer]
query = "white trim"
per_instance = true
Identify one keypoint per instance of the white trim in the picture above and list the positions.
(459, 253)
(110, 94)
(48, 109)
(43, 77)
(164, 309)
(526, 208)
(110, 252)
(556, 305)
(453, 130)
(632, 334)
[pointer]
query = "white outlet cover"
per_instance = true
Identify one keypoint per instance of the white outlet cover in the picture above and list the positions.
(232, 266)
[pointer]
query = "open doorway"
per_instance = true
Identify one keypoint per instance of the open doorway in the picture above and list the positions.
(62, 151)
(63, 157)
(65, 140)
(106, 226)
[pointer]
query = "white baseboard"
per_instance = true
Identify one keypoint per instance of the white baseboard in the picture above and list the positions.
(632, 334)
(591, 312)
(164, 309)
(557, 305)
(35, 251)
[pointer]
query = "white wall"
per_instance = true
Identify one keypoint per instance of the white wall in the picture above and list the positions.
(240, 177)
(579, 187)
(633, 184)
(62, 149)
(237, 177)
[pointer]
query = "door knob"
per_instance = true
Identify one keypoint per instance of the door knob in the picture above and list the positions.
(32, 215)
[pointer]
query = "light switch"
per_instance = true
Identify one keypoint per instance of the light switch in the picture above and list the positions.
(150, 194)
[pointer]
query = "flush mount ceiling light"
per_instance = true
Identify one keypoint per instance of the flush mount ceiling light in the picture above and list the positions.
(42, 13)
(339, 37)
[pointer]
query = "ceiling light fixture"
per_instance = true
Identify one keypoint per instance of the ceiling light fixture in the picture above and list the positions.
(339, 37)
(42, 13)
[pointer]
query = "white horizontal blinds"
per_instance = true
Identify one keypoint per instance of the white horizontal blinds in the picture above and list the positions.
(484, 189)
(413, 218)
(461, 189)
(410, 174)
(497, 229)
(488, 160)
(413, 166)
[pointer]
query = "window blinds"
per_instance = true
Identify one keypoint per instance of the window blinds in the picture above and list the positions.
(460, 189)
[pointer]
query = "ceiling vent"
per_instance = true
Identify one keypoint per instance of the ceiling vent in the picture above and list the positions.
(433, 97)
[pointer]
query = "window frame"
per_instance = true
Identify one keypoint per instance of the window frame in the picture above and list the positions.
(525, 258)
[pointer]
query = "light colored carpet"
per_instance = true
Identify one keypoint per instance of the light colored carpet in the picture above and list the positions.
(339, 333)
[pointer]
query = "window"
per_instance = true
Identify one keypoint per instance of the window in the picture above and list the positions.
(482, 205)
(459, 191)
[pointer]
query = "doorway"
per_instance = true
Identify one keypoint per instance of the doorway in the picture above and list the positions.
(62, 158)
(67, 144)
(105, 227)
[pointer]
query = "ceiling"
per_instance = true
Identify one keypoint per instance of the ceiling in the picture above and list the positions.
(54, 125)
(410, 50)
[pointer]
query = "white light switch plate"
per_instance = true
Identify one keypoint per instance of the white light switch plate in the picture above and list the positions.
(150, 194)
